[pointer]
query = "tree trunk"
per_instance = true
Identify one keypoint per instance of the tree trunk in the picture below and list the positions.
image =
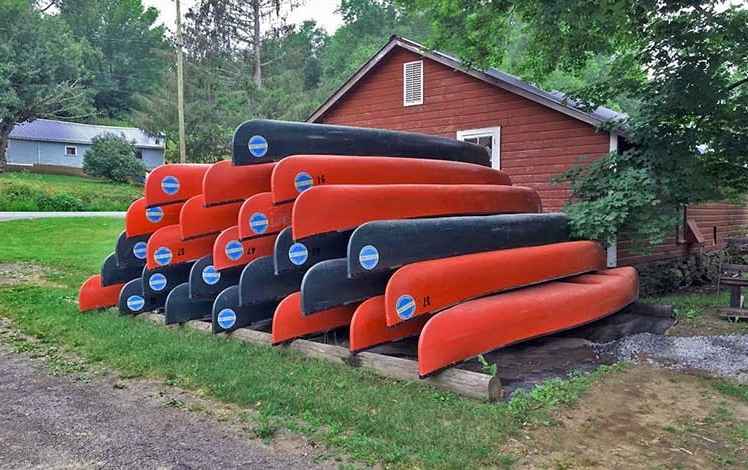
(256, 42)
(4, 135)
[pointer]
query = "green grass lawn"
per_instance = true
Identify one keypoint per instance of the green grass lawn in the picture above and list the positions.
(36, 192)
(368, 418)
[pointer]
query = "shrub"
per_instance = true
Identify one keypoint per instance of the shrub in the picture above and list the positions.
(113, 157)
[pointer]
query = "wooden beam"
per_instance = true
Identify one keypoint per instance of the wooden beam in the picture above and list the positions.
(462, 382)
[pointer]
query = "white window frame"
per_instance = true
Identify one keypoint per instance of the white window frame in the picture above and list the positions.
(405, 84)
(75, 151)
(494, 132)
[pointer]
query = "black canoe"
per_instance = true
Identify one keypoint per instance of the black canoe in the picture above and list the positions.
(263, 141)
(384, 245)
(289, 255)
(259, 284)
(326, 285)
(206, 282)
(228, 315)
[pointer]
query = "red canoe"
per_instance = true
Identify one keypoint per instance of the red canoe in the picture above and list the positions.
(229, 251)
(258, 217)
(92, 296)
(140, 220)
(196, 220)
(224, 183)
(166, 247)
(472, 328)
(325, 209)
(169, 184)
(294, 174)
(369, 328)
(289, 324)
(430, 286)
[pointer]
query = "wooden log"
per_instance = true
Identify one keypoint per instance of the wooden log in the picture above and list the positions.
(733, 313)
(462, 382)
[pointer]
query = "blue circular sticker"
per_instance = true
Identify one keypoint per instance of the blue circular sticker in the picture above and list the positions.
(154, 214)
(258, 222)
(298, 254)
(234, 250)
(368, 257)
(157, 282)
(226, 318)
(170, 185)
(135, 303)
(162, 256)
(139, 250)
(258, 146)
(303, 181)
(405, 307)
(211, 276)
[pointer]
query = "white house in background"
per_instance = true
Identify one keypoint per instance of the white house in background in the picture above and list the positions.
(49, 143)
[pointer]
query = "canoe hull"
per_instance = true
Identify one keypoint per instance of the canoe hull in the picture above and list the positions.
(437, 284)
(388, 244)
(295, 174)
(290, 324)
(225, 183)
(228, 315)
(112, 273)
(131, 251)
(180, 308)
(511, 317)
(166, 247)
(94, 296)
(289, 255)
(141, 220)
(172, 184)
(206, 281)
(326, 285)
(197, 220)
(258, 217)
(369, 328)
(263, 141)
(259, 284)
(345, 207)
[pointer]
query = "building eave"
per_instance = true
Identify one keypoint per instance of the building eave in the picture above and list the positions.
(397, 41)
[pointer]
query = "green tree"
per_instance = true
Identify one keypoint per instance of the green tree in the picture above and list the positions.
(125, 50)
(113, 157)
(41, 69)
(684, 64)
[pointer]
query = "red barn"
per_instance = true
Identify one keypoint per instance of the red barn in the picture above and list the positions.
(532, 134)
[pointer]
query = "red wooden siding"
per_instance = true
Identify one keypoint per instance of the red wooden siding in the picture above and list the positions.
(537, 143)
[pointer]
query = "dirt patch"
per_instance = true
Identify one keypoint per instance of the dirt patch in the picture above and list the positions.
(642, 418)
(710, 324)
(17, 274)
(56, 412)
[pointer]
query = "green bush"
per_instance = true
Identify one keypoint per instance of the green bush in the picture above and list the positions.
(113, 157)
(58, 203)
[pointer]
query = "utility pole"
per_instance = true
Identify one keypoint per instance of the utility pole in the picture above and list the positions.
(180, 88)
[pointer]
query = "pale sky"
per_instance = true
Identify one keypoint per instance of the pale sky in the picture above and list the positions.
(322, 11)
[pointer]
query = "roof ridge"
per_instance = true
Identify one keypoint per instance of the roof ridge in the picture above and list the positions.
(85, 124)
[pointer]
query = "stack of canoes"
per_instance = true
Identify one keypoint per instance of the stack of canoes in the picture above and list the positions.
(391, 235)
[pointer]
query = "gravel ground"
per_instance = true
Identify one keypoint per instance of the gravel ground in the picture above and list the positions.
(57, 422)
(722, 355)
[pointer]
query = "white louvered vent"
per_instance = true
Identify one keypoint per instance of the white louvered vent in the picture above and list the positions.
(413, 83)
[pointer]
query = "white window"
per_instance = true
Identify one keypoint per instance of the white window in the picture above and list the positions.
(489, 137)
(71, 150)
(413, 83)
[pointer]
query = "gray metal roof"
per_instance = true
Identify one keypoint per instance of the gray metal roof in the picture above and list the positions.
(47, 130)
(554, 100)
